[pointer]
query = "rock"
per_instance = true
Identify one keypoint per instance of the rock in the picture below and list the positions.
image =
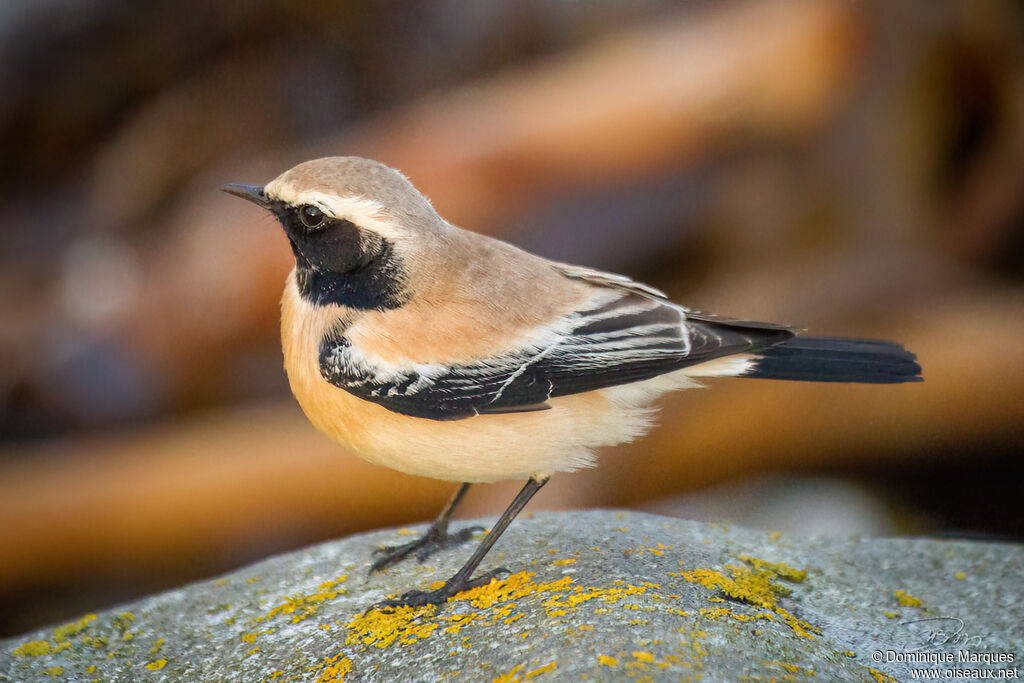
(605, 594)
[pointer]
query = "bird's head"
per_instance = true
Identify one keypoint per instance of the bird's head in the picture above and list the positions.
(353, 225)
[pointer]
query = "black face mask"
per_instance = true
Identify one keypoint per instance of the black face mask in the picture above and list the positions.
(338, 263)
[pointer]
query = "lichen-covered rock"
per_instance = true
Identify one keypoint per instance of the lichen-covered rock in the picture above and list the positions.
(606, 595)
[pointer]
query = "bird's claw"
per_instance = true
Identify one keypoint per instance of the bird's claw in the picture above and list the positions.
(424, 546)
(440, 596)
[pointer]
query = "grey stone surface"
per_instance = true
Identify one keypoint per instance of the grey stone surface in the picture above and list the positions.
(600, 594)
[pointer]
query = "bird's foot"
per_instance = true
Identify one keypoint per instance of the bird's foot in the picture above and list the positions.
(439, 597)
(424, 546)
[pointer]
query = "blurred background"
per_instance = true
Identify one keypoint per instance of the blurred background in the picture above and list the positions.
(850, 168)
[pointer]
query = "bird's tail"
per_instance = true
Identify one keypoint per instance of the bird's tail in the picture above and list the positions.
(833, 359)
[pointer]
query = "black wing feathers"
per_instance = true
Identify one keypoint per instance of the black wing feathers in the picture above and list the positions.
(633, 337)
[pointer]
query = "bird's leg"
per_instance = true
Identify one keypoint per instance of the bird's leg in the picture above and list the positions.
(435, 538)
(462, 581)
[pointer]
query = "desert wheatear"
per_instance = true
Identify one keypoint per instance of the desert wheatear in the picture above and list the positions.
(448, 354)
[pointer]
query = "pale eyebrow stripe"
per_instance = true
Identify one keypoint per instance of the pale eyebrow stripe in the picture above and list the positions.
(364, 213)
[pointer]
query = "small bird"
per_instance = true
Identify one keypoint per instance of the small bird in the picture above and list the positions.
(448, 354)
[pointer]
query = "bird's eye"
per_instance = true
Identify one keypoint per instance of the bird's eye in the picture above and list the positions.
(311, 216)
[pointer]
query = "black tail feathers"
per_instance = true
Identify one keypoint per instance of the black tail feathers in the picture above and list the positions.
(833, 359)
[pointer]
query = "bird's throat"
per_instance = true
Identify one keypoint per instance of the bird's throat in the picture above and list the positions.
(377, 286)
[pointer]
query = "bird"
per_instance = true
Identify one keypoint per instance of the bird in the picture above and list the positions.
(449, 354)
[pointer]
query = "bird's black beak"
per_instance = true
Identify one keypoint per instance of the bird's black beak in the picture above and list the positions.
(254, 193)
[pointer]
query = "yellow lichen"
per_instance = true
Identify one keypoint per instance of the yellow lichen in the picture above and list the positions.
(97, 642)
(879, 676)
(608, 660)
(643, 660)
(405, 625)
(33, 648)
(540, 670)
(848, 653)
(251, 637)
(779, 569)
(905, 599)
(335, 669)
(505, 611)
(756, 587)
(960, 575)
(55, 671)
(67, 630)
(890, 614)
(381, 629)
(459, 621)
(252, 651)
(560, 563)
(157, 644)
(157, 664)
(751, 587)
(303, 606)
(511, 677)
(90, 669)
(789, 668)
(513, 587)
(579, 595)
(716, 612)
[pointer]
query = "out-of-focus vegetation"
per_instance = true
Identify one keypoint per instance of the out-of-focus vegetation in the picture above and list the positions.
(853, 168)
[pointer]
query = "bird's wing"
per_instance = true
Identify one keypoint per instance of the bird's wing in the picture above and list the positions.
(627, 335)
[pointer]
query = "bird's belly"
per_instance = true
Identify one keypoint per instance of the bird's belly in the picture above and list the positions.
(484, 448)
